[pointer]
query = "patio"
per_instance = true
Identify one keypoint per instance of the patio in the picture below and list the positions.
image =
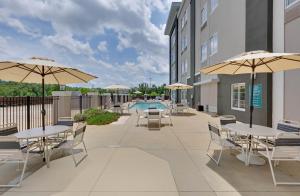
(128, 160)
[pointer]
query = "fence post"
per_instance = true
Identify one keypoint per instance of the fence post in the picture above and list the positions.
(28, 111)
(80, 104)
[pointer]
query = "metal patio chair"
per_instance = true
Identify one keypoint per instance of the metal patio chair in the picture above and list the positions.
(10, 152)
(286, 148)
(140, 116)
(77, 139)
(223, 143)
(167, 115)
(154, 116)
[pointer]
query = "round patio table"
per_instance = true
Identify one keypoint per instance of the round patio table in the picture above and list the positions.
(256, 130)
(40, 133)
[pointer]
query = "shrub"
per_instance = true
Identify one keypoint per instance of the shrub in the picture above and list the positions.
(91, 112)
(79, 118)
(94, 116)
(102, 118)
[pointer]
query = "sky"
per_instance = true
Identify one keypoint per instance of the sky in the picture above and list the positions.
(119, 41)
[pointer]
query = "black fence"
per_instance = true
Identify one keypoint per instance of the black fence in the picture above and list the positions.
(26, 111)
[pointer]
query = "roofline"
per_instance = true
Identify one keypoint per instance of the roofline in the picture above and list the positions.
(171, 18)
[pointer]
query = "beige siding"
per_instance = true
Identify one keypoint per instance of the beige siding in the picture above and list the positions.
(228, 23)
(292, 78)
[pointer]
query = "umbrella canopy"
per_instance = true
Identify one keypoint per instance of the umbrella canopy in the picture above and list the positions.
(255, 62)
(178, 86)
(41, 70)
(32, 70)
(137, 92)
(117, 87)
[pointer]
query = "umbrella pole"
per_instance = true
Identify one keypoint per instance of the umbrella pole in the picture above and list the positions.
(43, 98)
(251, 99)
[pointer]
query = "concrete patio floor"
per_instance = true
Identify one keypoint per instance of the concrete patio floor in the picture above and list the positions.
(125, 160)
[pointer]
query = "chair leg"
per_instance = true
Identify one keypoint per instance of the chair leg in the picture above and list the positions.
(217, 161)
(80, 160)
(24, 168)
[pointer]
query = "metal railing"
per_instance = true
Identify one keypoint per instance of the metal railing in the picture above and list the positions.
(26, 111)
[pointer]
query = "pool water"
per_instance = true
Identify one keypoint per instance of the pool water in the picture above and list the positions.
(147, 105)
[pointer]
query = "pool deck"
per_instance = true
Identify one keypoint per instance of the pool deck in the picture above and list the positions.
(126, 160)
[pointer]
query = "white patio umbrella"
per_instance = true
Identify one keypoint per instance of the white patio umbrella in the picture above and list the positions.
(178, 86)
(41, 70)
(117, 87)
(137, 92)
(255, 62)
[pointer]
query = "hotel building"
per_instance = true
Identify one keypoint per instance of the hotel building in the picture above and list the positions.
(205, 32)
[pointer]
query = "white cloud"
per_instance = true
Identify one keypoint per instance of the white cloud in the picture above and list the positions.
(16, 24)
(66, 41)
(130, 19)
(102, 46)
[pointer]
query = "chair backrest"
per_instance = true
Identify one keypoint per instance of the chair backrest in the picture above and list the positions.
(79, 134)
(214, 132)
(9, 143)
(65, 121)
(286, 147)
(288, 126)
(227, 119)
(153, 114)
(8, 129)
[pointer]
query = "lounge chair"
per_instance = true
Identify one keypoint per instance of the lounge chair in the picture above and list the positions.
(140, 116)
(223, 143)
(10, 152)
(167, 114)
(154, 116)
(286, 148)
(289, 126)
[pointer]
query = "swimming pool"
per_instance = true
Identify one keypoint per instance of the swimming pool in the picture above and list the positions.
(147, 105)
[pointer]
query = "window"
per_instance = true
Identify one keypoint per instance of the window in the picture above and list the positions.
(203, 52)
(238, 94)
(183, 43)
(204, 14)
(213, 5)
(184, 19)
(173, 39)
(173, 74)
(213, 41)
(173, 56)
(288, 3)
(184, 66)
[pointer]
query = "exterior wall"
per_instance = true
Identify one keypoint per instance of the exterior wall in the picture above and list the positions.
(278, 46)
(261, 116)
(231, 41)
(258, 36)
(292, 44)
(184, 55)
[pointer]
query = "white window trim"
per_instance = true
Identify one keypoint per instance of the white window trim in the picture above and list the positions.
(212, 10)
(201, 59)
(231, 92)
(202, 21)
(216, 51)
(290, 5)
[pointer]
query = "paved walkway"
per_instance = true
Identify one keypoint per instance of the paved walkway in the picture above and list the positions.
(125, 160)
